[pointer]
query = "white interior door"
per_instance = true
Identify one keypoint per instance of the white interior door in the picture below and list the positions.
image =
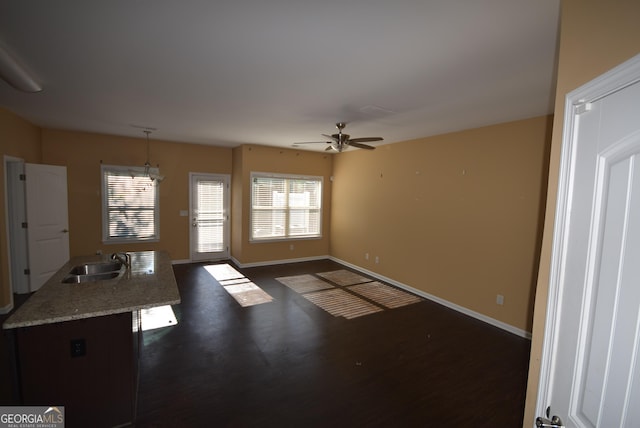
(47, 220)
(590, 373)
(209, 215)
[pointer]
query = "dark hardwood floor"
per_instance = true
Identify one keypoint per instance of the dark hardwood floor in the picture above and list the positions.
(288, 363)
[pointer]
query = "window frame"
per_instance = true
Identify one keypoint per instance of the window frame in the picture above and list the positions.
(287, 236)
(130, 171)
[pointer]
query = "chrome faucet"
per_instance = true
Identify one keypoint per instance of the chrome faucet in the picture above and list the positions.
(124, 258)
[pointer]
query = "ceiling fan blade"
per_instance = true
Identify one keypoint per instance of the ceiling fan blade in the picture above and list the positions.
(365, 139)
(312, 142)
(360, 146)
(333, 137)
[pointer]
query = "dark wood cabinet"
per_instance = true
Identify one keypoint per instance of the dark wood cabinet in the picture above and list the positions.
(89, 366)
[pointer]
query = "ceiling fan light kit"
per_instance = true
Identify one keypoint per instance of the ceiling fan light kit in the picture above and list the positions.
(340, 141)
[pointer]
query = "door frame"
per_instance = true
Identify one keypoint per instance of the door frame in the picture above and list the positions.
(226, 178)
(11, 257)
(620, 77)
(16, 214)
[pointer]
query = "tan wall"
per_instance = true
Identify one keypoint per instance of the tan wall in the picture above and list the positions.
(18, 139)
(253, 158)
(237, 225)
(595, 37)
(82, 153)
(456, 216)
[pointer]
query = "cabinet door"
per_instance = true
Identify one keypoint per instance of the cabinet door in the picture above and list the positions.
(87, 366)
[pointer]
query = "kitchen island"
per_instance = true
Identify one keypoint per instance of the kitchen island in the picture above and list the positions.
(77, 344)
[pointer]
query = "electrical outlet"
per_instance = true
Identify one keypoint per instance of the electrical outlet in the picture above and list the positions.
(377, 259)
(500, 299)
(291, 247)
(366, 256)
(78, 348)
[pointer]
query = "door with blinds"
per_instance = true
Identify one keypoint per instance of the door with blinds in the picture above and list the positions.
(209, 215)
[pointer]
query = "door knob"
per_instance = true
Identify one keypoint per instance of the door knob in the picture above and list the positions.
(65, 231)
(555, 422)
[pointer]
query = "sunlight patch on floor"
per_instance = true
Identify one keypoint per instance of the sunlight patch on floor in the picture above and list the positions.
(158, 317)
(245, 292)
(223, 272)
(354, 295)
(340, 303)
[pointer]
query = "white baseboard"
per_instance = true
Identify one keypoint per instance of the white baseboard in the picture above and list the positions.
(477, 315)
(7, 309)
(278, 262)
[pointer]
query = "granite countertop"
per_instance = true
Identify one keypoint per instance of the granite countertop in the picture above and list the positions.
(149, 282)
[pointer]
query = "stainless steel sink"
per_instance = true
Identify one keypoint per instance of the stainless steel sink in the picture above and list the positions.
(77, 279)
(95, 268)
(89, 272)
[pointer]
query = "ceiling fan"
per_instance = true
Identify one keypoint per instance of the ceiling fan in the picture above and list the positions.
(341, 141)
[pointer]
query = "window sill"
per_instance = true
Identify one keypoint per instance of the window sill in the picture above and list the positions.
(286, 239)
(129, 241)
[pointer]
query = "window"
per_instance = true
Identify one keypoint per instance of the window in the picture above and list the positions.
(285, 207)
(130, 204)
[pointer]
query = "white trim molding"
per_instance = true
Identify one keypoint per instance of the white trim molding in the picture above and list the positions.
(278, 262)
(8, 308)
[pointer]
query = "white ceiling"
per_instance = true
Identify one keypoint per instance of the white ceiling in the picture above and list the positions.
(274, 72)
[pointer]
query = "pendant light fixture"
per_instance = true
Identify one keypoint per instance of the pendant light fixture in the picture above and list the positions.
(149, 171)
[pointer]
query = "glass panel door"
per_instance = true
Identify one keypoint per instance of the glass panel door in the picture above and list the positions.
(209, 216)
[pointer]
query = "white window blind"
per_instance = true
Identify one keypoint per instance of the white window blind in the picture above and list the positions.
(285, 207)
(130, 207)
